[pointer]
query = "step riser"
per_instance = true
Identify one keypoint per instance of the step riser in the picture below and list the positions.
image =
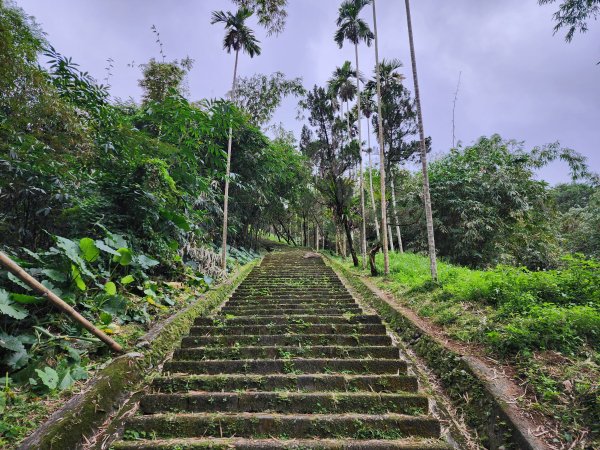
(195, 354)
(285, 403)
(297, 366)
(291, 303)
(295, 444)
(287, 329)
(240, 311)
(293, 383)
(289, 426)
(285, 340)
(259, 320)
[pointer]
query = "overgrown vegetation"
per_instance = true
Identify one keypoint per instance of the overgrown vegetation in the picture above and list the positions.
(545, 323)
(115, 206)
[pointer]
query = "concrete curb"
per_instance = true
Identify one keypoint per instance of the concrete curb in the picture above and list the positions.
(110, 388)
(486, 408)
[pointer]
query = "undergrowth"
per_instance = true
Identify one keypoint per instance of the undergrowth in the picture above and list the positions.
(545, 324)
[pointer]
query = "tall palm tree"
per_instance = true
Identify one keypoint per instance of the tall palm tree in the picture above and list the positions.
(341, 86)
(238, 36)
(426, 196)
(355, 30)
(388, 76)
(384, 243)
(367, 107)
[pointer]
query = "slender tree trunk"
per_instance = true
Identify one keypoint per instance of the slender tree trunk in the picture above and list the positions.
(363, 225)
(371, 186)
(349, 239)
(386, 256)
(227, 171)
(395, 211)
(426, 195)
(391, 237)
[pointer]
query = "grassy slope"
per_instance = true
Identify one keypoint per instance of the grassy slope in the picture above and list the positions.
(544, 324)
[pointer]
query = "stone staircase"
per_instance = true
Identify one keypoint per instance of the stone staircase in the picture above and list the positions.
(290, 361)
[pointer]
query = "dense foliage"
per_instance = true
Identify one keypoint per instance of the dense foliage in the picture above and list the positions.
(105, 202)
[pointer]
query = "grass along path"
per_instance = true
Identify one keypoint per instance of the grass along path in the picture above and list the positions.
(545, 325)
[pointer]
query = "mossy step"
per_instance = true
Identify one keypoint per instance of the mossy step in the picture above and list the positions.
(219, 321)
(325, 309)
(259, 425)
(290, 444)
(283, 302)
(286, 402)
(286, 382)
(300, 365)
(291, 291)
(285, 352)
(342, 328)
(286, 340)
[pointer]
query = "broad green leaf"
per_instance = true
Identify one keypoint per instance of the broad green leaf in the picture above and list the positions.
(106, 318)
(49, 377)
(89, 249)
(55, 275)
(3, 396)
(12, 343)
(72, 251)
(179, 220)
(115, 305)
(125, 256)
(146, 262)
(7, 307)
(17, 281)
(76, 275)
(127, 279)
(67, 381)
(26, 299)
(17, 360)
(105, 248)
(110, 288)
(115, 240)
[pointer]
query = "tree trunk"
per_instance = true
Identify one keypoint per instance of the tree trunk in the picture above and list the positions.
(372, 254)
(227, 171)
(371, 187)
(363, 227)
(426, 195)
(391, 237)
(395, 211)
(349, 240)
(386, 256)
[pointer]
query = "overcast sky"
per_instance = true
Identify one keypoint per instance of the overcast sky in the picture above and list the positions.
(518, 79)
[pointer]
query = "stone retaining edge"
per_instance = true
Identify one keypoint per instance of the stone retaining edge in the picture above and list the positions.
(110, 388)
(498, 423)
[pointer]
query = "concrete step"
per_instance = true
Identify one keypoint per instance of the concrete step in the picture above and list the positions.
(291, 444)
(286, 340)
(288, 310)
(220, 321)
(282, 302)
(285, 382)
(353, 426)
(286, 402)
(288, 329)
(285, 352)
(297, 366)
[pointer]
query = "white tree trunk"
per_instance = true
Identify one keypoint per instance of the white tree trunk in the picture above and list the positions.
(386, 256)
(227, 171)
(363, 227)
(426, 195)
(371, 185)
(400, 246)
